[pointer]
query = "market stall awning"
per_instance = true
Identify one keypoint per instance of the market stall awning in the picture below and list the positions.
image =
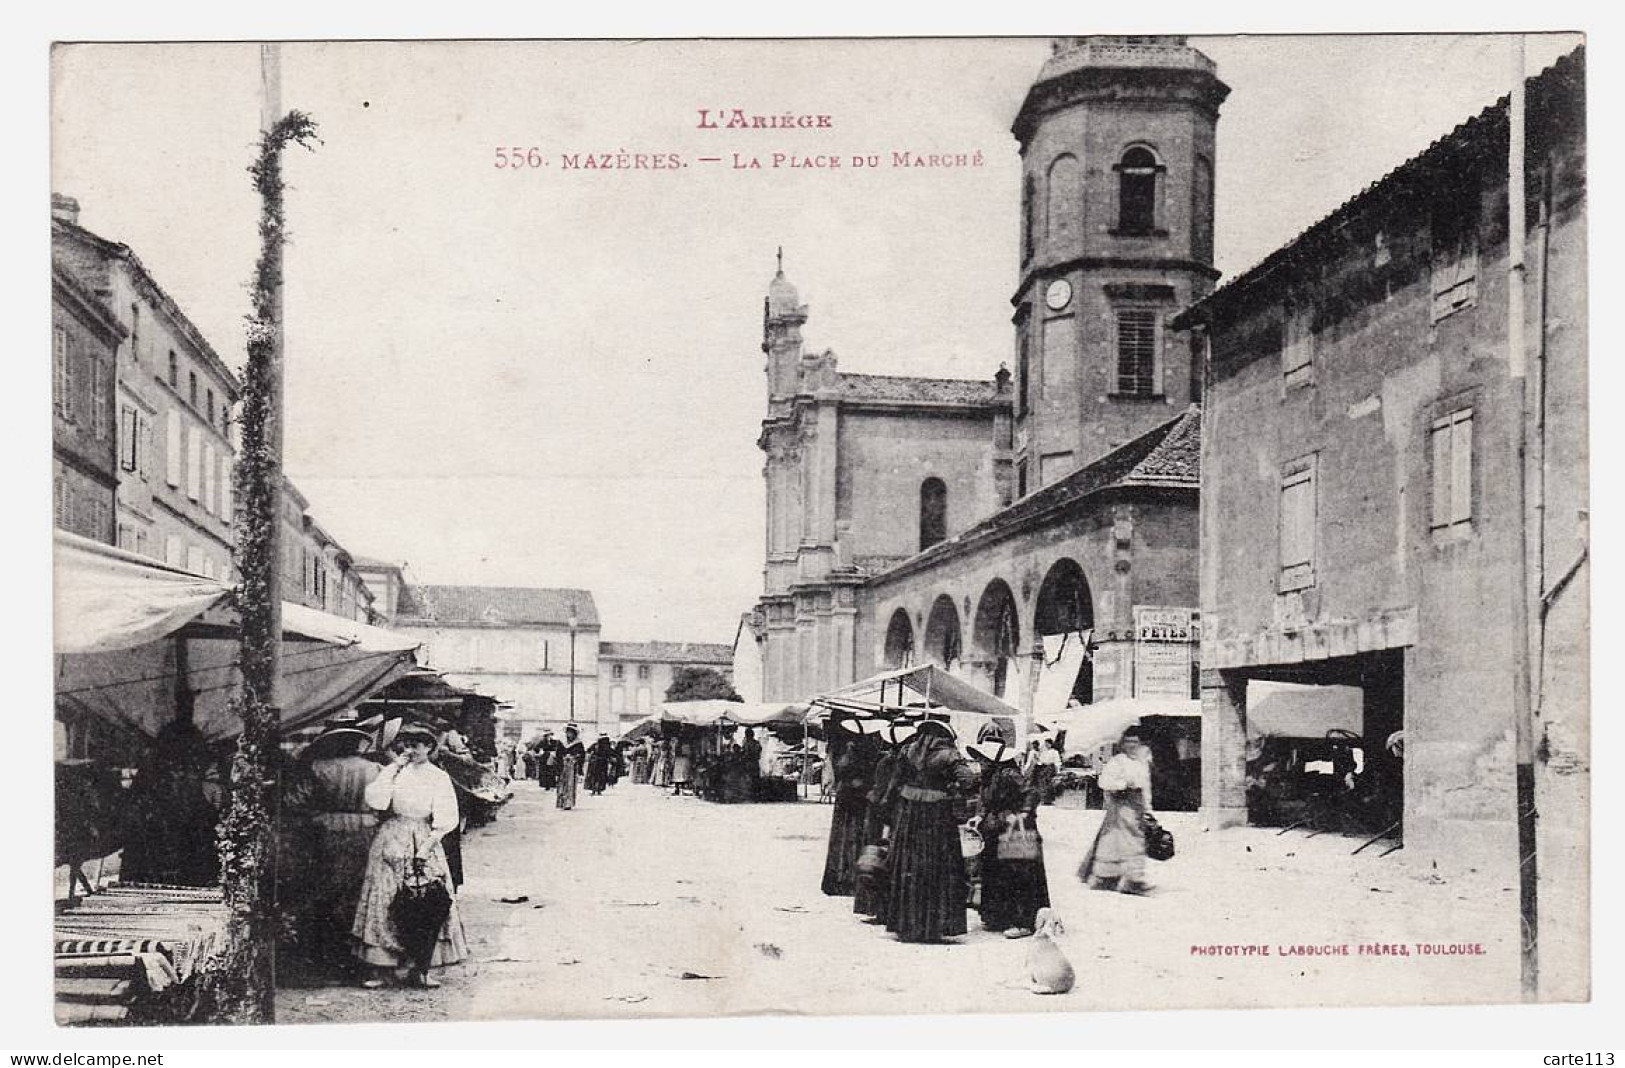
(710, 713)
(155, 638)
(1293, 710)
(105, 598)
(1087, 726)
(931, 686)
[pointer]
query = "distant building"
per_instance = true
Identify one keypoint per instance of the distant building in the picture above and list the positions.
(316, 570)
(174, 402)
(1360, 504)
(85, 339)
(633, 677)
(387, 581)
(534, 649)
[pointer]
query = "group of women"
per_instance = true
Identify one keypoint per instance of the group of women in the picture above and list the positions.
(379, 829)
(897, 845)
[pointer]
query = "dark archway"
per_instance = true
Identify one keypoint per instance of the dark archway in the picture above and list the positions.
(1066, 607)
(996, 633)
(899, 640)
(942, 641)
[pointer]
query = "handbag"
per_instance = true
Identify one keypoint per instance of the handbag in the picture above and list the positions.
(1019, 840)
(1159, 840)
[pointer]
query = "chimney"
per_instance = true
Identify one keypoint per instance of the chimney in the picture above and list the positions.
(64, 208)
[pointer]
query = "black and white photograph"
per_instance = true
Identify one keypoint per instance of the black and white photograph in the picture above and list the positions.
(583, 530)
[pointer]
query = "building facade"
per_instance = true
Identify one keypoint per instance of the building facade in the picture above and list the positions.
(633, 677)
(534, 649)
(964, 523)
(317, 571)
(85, 460)
(174, 398)
(1362, 519)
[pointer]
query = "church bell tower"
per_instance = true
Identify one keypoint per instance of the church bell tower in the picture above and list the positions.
(1117, 149)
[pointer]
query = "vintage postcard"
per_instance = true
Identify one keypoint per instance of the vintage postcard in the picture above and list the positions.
(675, 528)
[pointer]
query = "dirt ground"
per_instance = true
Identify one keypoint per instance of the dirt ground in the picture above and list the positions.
(640, 904)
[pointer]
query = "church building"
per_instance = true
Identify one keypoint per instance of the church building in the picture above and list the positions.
(963, 522)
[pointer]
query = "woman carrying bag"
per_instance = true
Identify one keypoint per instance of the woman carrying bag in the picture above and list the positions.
(418, 805)
(1014, 884)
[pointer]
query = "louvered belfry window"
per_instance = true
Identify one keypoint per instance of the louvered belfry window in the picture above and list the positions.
(1137, 351)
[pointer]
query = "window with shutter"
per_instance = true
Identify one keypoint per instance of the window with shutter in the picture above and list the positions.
(194, 462)
(1137, 330)
(1298, 526)
(206, 498)
(129, 432)
(1452, 448)
(59, 369)
(175, 453)
(143, 457)
(1298, 348)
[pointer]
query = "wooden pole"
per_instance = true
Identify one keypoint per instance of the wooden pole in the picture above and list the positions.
(248, 829)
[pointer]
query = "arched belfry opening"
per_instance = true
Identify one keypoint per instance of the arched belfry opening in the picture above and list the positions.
(1066, 609)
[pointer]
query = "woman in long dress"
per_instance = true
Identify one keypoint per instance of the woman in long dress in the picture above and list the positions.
(660, 771)
(854, 753)
(869, 894)
(418, 805)
(927, 885)
(1014, 888)
(682, 768)
(1117, 857)
(569, 755)
(599, 758)
(331, 796)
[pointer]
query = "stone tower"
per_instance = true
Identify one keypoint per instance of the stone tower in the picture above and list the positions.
(1117, 149)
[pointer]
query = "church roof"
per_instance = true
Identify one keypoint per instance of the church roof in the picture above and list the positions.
(497, 605)
(900, 389)
(1168, 457)
(669, 652)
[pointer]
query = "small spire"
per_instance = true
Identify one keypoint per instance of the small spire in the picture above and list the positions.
(781, 259)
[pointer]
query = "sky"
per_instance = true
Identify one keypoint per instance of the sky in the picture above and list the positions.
(553, 377)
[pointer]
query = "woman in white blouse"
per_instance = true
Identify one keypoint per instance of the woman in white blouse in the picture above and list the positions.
(418, 805)
(1117, 858)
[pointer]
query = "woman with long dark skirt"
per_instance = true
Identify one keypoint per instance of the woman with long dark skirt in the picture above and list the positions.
(855, 754)
(1014, 886)
(927, 884)
(869, 897)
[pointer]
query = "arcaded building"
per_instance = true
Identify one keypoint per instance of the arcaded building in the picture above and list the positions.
(961, 521)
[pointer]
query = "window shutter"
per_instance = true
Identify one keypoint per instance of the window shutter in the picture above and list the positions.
(228, 509)
(1461, 468)
(1136, 351)
(207, 478)
(173, 456)
(129, 429)
(194, 462)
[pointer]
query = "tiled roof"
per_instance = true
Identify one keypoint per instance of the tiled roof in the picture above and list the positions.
(1168, 457)
(895, 388)
(1561, 76)
(497, 605)
(668, 652)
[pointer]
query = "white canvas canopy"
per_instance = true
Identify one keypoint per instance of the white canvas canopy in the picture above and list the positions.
(1293, 710)
(134, 637)
(710, 713)
(1087, 726)
(927, 686)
